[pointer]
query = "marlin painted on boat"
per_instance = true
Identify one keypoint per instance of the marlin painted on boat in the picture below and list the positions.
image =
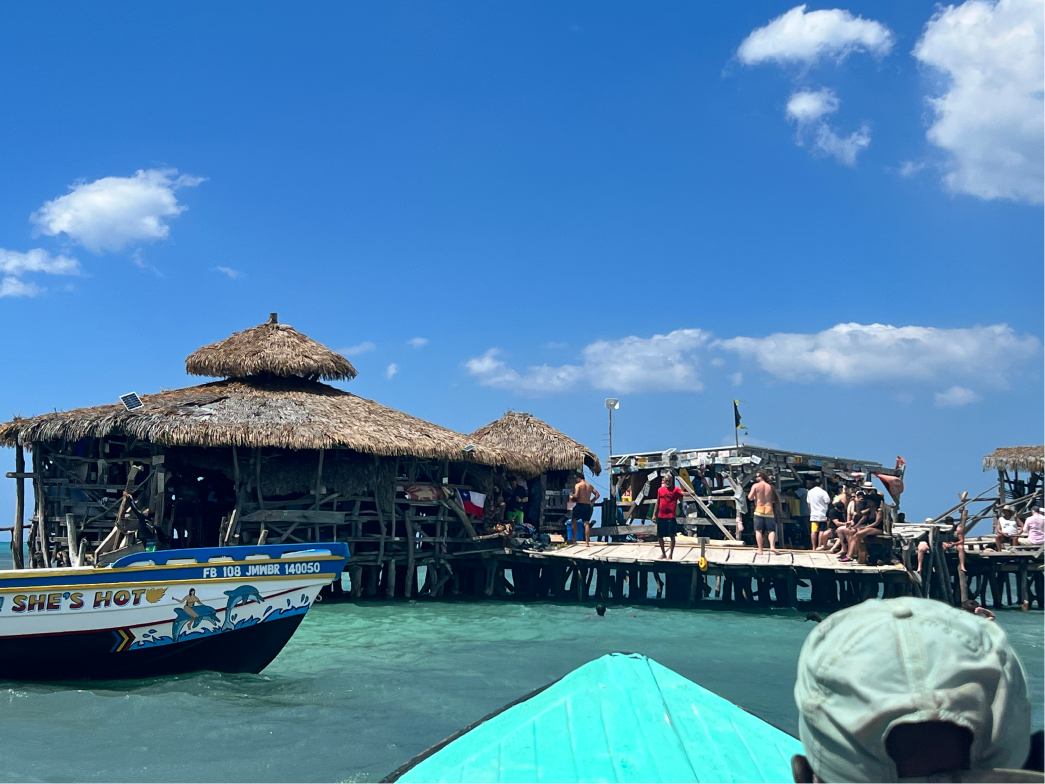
(229, 609)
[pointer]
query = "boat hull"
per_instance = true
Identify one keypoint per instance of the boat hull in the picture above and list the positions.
(223, 609)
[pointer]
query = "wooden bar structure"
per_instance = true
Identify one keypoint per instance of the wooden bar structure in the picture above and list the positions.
(716, 480)
(559, 457)
(269, 453)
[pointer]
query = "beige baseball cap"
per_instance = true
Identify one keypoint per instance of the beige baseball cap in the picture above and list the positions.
(867, 669)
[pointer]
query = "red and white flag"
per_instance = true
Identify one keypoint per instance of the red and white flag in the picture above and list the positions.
(473, 502)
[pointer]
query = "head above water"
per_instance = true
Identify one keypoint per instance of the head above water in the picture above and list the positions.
(909, 688)
(600, 610)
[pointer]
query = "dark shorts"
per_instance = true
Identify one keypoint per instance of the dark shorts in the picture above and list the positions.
(666, 526)
(582, 512)
(767, 524)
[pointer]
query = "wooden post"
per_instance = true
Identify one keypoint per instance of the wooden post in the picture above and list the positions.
(42, 539)
(355, 574)
(963, 580)
(16, 534)
(694, 585)
(1022, 595)
(390, 578)
(257, 477)
(411, 545)
(319, 485)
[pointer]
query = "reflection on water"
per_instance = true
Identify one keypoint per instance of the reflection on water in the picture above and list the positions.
(362, 688)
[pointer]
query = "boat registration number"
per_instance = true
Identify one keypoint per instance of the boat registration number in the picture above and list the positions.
(263, 570)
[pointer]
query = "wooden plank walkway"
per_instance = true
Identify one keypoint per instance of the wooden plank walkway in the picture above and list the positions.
(648, 554)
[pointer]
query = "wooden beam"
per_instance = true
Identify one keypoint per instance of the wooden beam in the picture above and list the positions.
(16, 534)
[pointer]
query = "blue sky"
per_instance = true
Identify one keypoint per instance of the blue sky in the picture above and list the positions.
(674, 204)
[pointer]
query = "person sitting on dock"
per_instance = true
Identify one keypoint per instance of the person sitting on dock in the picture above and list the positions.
(1034, 528)
(765, 498)
(914, 689)
(835, 520)
(868, 522)
(1008, 528)
(668, 497)
(584, 497)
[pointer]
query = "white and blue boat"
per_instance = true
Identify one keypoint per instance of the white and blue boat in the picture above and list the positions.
(229, 609)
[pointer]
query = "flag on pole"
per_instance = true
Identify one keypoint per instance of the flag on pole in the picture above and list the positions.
(736, 414)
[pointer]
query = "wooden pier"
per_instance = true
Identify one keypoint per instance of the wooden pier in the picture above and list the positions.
(729, 576)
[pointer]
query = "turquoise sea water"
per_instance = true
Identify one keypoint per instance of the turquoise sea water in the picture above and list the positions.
(360, 689)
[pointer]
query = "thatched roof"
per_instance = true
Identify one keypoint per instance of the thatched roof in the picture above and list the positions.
(526, 435)
(293, 413)
(1016, 458)
(270, 348)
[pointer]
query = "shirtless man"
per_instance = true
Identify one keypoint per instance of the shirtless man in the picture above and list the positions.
(584, 496)
(765, 498)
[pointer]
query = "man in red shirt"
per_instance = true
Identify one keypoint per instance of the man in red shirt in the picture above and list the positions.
(668, 497)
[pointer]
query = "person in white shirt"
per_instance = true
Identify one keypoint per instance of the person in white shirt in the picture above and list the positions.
(1008, 528)
(818, 501)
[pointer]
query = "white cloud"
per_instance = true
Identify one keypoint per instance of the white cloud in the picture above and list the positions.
(356, 350)
(805, 38)
(808, 110)
(232, 274)
(13, 287)
(14, 264)
(736, 378)
(857, 353)
(662, 363)
(417, 342)
(391, 370)
(990, 119)
(809, 106)
(911, 168)
(955, 397)
(110, 213)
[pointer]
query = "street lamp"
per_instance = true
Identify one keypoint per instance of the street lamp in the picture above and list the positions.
(612, 404)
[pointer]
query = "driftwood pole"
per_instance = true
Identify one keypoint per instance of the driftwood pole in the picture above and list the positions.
(16, 534)
(963, 582)
(40, 494)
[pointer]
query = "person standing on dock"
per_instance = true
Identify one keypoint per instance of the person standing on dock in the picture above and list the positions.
(668, 497)
(584, 496)
(515, 500)
(765, 498)
(818, 501)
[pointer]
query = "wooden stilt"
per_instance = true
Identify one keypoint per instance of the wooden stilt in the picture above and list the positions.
(17, 534)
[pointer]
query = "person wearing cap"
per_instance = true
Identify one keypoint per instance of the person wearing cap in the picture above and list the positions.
(1008, 528)
(912, 689)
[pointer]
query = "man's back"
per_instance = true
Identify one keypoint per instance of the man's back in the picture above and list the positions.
(763, 493)
(582, 492)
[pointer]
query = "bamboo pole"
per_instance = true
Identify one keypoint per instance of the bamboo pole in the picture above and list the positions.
(16, 534)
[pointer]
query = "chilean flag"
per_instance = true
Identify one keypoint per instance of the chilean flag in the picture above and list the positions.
(473, 502)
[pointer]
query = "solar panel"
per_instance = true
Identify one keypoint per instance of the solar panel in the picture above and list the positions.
(131, 401)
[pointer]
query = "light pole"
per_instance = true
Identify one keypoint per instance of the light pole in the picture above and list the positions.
(612, 404)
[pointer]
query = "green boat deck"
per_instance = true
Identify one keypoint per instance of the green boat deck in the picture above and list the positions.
(620, 718)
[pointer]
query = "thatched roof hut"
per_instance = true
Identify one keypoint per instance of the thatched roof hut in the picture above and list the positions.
(271, 399)
(269, 349)
(1016, 458)
(527, 436)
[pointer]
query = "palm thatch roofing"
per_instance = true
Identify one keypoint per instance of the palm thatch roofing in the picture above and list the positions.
(1016, 458)
(526, 435)
(270, 348)
(286, 413)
